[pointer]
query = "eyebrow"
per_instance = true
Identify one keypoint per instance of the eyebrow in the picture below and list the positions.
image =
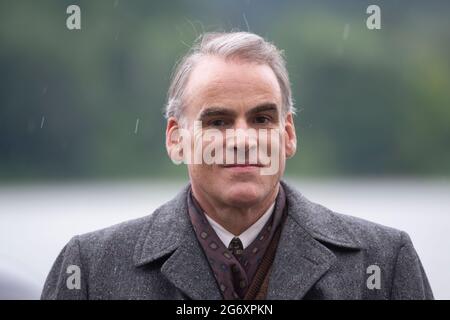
(216, 111)
(221, 111)
(265, 107)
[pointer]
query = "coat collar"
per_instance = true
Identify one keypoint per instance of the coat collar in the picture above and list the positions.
(170, 232)
(302, 256)
(321, 223)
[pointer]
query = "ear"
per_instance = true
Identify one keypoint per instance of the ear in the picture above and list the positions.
(290, 138)
(173, 140)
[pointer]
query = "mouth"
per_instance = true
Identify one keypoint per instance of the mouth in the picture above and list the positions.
(242, 167)
(257, 165)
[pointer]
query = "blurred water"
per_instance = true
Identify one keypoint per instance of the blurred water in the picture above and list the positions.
(36, 221)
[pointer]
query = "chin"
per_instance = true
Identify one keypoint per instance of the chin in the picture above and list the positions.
(244, 193)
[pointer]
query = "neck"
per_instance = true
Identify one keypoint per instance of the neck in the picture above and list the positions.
(236, 218)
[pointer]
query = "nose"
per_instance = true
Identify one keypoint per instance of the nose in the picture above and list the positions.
(242, 140)
(244, 135)
(241, 124)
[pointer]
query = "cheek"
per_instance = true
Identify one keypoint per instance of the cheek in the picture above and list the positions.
(278, 144)
(203, 173)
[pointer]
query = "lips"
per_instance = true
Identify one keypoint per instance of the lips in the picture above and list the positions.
(242, 165)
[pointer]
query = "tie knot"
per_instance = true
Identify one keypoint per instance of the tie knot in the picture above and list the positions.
(236, 247)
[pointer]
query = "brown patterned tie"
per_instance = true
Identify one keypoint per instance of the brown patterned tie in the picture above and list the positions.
(236, 247)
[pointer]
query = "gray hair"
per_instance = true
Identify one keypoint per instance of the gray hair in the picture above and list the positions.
(243, 45)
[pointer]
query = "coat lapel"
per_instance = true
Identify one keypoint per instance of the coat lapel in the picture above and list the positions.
(169, 234)
(189, 270)
(301, 259)
(299, 262)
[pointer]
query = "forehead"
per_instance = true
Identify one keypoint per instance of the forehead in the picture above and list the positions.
(233, 84)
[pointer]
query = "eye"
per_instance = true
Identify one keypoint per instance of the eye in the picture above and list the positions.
(262, 120)
(218, 123)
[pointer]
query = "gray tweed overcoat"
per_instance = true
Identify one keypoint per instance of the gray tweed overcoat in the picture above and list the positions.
(321, 255)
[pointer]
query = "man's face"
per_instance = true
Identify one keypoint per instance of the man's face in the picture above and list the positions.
(229, 96)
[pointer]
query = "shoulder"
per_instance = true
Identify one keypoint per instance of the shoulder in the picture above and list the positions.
(120, 236)
(121, 239)
(373, 235)
(339, 228)
(99, 253)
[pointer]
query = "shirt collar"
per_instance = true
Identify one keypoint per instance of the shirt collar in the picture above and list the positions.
(248, 235)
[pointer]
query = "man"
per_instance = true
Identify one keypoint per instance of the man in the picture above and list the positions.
(237, 231)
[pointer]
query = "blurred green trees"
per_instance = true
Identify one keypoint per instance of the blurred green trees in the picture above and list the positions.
(370, 102)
